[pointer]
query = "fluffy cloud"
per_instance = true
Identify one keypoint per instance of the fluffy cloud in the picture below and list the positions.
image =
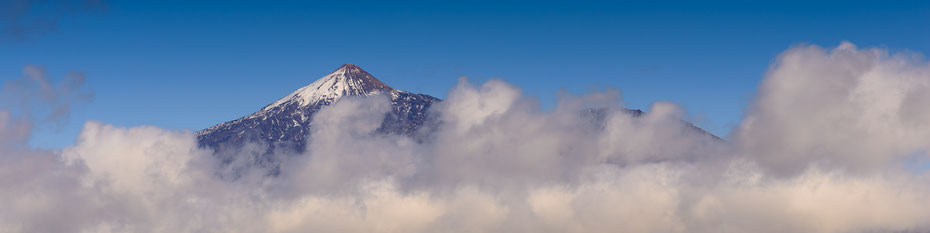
(820, 150)
(842, 108)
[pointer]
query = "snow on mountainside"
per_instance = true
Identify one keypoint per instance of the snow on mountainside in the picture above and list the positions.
(286, 122)
(347, 80)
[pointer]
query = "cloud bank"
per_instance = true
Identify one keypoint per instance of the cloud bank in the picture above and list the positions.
(835, 141)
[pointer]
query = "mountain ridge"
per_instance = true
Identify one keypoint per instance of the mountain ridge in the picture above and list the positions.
(286, 122)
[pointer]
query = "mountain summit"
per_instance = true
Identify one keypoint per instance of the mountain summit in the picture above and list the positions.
(347, 80)
(286, 122)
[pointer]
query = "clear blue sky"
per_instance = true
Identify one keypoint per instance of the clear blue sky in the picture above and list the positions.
(183, 65)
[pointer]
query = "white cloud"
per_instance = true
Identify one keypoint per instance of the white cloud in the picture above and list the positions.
(819, 151)
(842, 108)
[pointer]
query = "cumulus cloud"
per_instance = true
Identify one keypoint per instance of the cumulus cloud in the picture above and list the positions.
(844, 108)
(820, 150)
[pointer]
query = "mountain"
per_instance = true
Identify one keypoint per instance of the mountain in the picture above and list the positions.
(286, 123)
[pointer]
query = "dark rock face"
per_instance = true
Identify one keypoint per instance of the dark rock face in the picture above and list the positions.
(285, 124)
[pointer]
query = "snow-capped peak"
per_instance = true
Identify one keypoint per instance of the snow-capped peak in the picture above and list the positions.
(348, 79)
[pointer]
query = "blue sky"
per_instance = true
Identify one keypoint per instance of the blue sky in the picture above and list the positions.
(183, 65)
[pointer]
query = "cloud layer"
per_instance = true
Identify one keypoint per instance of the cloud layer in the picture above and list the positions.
(829, 145)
